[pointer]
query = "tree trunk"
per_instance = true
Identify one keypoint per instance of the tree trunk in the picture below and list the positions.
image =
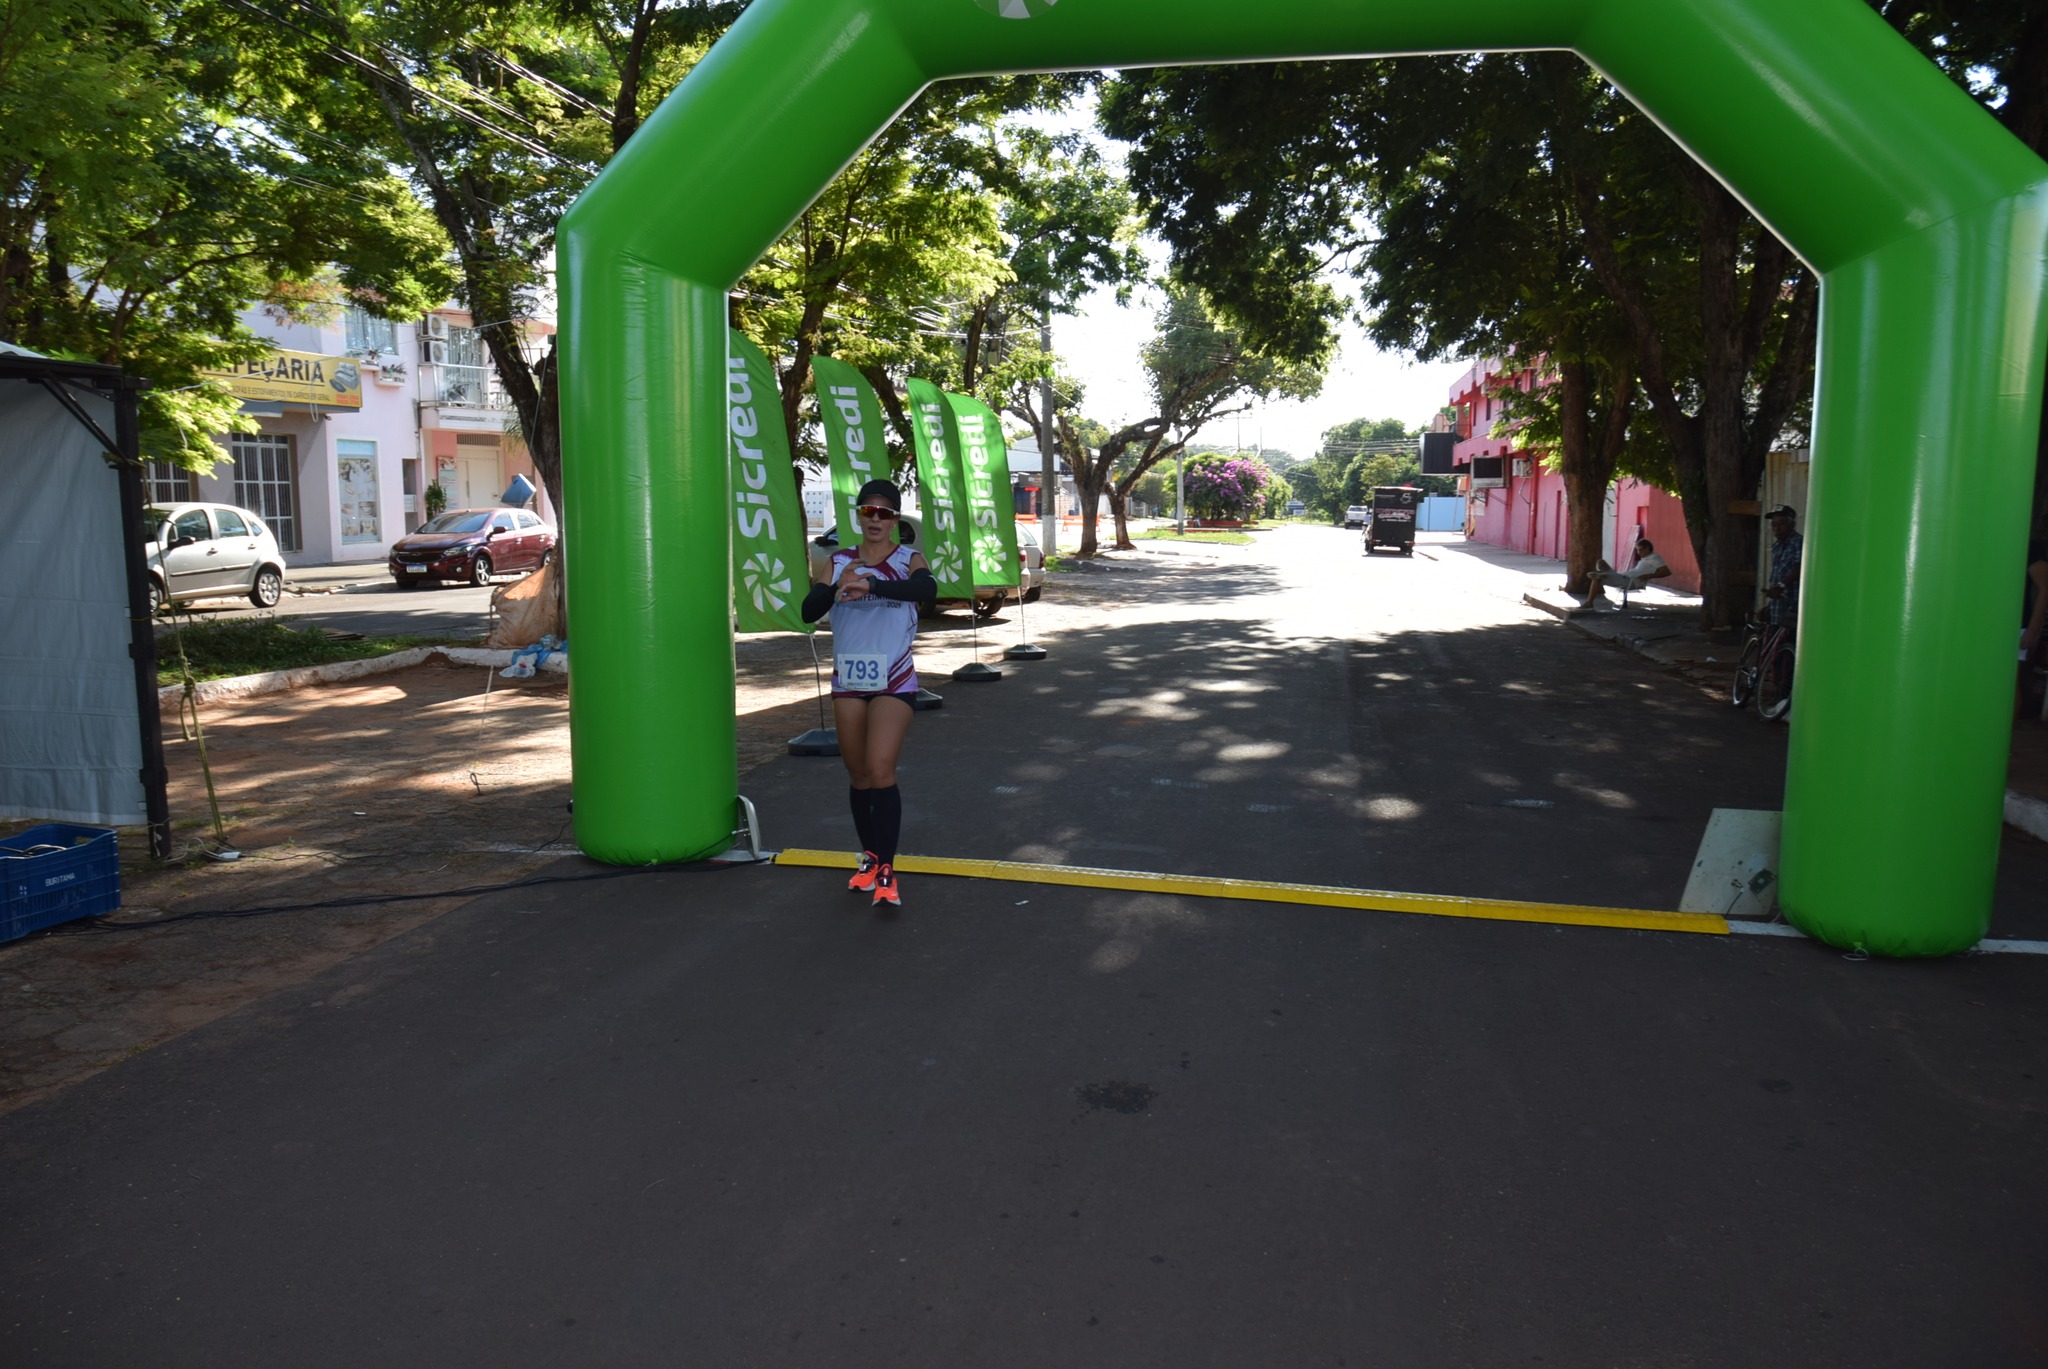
(800, 368)
(1722, 380)
(1088, 483)
(877, 377)
(1119, 510)
(1585, 482)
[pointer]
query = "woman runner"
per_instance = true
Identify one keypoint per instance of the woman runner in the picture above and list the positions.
(873, 591)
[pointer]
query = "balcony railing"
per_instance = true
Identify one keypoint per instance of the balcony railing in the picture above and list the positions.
(474, 387)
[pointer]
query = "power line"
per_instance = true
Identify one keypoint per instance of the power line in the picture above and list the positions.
(405, 83)
(542, 81)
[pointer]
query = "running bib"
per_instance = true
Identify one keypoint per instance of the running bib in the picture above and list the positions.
(863, 673)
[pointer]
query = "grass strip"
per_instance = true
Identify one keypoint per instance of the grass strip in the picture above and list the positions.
(254, 646)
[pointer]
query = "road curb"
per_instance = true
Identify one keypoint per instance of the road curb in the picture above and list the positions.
(2030, 815)
(334, 672)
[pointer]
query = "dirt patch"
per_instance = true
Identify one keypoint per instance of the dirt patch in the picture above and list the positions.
(440, 777)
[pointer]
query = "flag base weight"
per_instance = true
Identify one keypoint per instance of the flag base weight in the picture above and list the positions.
(819, 741)
(1024, 651)
(974, 672)
(926, 701)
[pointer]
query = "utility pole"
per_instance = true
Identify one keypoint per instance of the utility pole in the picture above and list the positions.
(1180, 491)
(1048, 469)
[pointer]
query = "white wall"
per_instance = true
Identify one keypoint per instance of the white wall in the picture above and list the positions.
(387, 420)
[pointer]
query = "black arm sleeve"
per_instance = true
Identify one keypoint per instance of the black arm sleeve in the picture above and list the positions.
(920, 588)
(818, 602)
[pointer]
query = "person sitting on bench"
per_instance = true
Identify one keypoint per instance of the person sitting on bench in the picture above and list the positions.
(1647, 566)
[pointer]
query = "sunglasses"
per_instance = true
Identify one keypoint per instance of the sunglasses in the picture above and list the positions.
(877, 511)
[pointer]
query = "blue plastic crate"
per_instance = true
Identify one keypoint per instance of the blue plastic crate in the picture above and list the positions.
(78, 874)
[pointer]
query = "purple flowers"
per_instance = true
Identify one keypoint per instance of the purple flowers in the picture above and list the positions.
(1227, 488)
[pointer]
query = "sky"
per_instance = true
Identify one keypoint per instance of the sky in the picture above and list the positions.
(1102, 342)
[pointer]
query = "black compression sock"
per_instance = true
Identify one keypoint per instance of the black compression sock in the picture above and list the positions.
(888, 822)
(862, 802)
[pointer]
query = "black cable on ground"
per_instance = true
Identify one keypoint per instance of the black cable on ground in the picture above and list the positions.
(97, 925)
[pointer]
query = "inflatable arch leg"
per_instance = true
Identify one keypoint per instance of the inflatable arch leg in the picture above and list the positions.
(1924, 219)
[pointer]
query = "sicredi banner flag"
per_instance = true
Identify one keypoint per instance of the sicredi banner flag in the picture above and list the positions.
(992, 520)
(941, 491)
(770, 574)
(853, 438)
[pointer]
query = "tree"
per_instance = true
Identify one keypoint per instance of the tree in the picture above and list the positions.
(1995, 49)
(866, 272)
(1227, 485)
(1523, 208)
(1074, 228)
(496, 115)
(1505, 228)
(141, 212)
(1356, 455)
(1278, 495)
(1199, 371)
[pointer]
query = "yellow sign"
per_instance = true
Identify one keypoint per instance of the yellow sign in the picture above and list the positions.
(297, 378)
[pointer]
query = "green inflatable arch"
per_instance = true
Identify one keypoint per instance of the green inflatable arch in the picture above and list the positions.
(1925, 221)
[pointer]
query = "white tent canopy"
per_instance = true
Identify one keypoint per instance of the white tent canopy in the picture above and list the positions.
(70, 739)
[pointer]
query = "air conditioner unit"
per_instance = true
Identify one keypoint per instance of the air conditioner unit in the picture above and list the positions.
(1486, 473)
(437, 326)
(1524, 467)
(437, 352)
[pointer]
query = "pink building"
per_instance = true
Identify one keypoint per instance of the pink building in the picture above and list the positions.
(1526, 510)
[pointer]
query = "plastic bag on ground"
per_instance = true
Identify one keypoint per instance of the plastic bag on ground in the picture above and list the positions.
(526, 610)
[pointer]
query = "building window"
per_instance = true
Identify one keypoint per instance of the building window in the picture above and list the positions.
(164, 483)
(465, 376)
(266, 480)
(365, 332)
(355, 466)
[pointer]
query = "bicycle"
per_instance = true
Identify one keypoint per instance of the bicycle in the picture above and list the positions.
(1763, 673)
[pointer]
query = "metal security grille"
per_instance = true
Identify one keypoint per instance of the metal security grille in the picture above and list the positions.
(164, 483)
(266, 480)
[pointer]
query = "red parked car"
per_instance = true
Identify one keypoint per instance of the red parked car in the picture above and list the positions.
(472, 545)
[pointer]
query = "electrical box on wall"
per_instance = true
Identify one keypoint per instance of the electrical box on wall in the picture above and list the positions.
(1524, 467)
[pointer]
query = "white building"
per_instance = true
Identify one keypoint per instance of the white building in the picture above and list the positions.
(355, 418)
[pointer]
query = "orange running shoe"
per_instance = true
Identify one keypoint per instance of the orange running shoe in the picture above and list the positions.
(864, 878)
(885, 887)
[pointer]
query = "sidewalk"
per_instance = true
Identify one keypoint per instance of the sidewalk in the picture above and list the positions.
(334, 578)
(1663, 626)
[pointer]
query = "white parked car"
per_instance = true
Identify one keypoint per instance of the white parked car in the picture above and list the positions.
(210, 551)
(1357, 516)
(1030, 565)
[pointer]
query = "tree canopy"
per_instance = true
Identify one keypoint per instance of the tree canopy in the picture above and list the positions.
(142, 210)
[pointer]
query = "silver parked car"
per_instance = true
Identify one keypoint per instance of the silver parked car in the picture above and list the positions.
(1030, 565)
(210, 551)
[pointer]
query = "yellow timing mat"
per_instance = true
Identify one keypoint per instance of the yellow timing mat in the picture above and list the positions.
(1264, 891)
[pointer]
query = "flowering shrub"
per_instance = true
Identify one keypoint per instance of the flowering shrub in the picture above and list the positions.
(1232, 487)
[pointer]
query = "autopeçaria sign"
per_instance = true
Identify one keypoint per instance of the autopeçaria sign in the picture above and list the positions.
(296, 378)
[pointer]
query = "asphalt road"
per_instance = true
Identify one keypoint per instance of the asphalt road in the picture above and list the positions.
(376, 608)
(734, 1119)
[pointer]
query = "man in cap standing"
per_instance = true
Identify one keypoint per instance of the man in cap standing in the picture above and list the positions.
(1788, 548)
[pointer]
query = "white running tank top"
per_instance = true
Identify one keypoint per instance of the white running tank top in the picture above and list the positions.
(871, 637)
